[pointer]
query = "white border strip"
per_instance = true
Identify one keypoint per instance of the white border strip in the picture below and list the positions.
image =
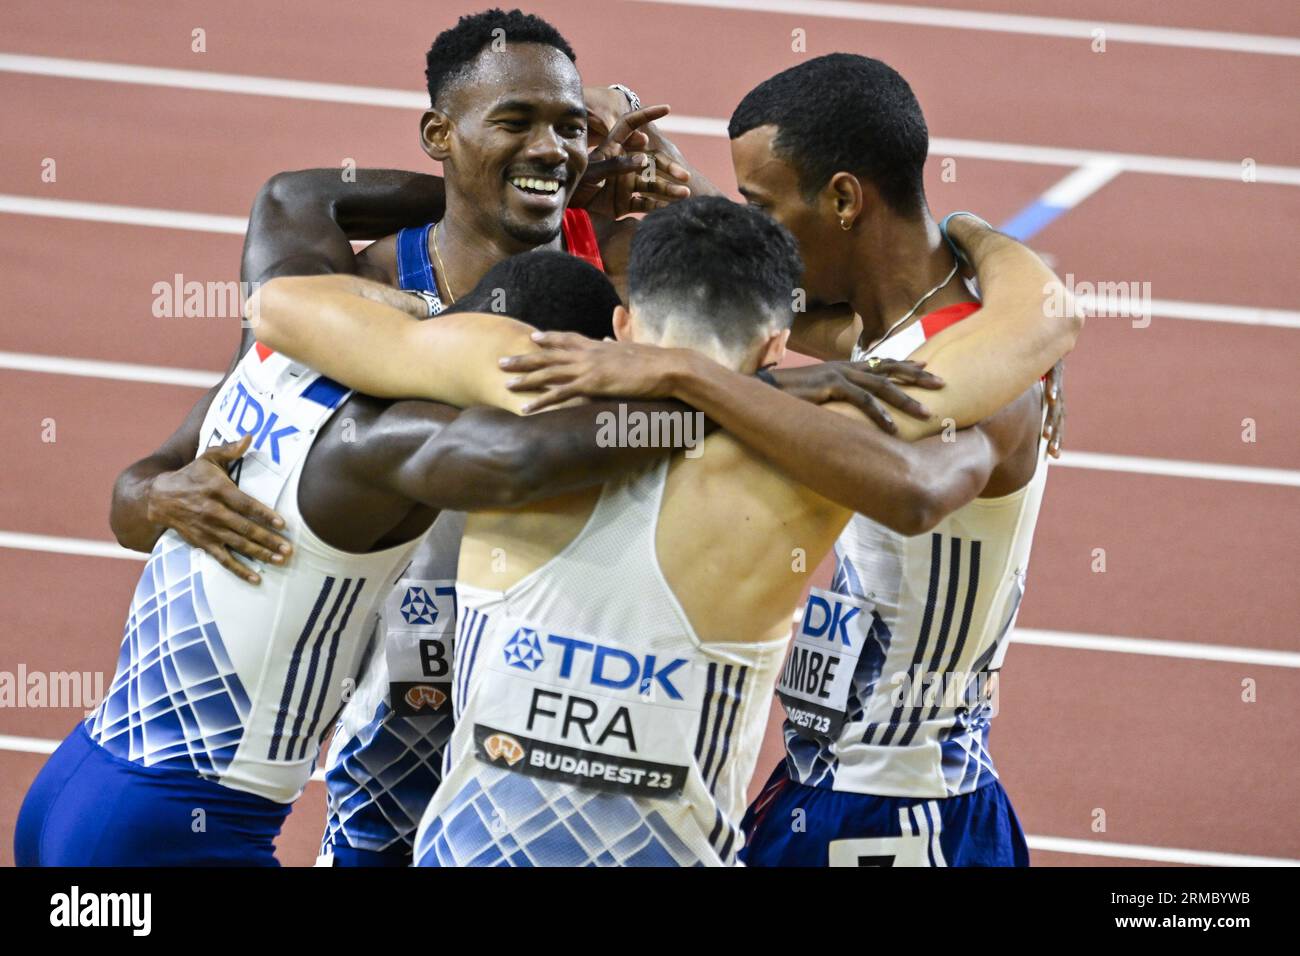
(1160, 854)
(1156, 648)
(680, 124)
(1011, 23)
(1171, 468)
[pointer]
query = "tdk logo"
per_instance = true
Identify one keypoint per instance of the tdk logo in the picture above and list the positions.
(819, 618)
(610, 667)
(248, 416)
(524, 649)
(418, 607)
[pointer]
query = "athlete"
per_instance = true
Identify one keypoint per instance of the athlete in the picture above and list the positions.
(493, 113)
(223, 691)
(611, 680)
(891, 683)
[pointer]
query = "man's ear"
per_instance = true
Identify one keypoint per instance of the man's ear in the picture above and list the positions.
(845, 198)
(622, 324)
(774, 349)
(435, 134)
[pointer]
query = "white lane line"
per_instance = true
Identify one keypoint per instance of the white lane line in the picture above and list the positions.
(1167, 467)
(1239, 314)
(1105, 643)
(1082, 183)
(232, 225)
(1096, 461)
(679, 124)
(124, 215)
(212, 82)
(119, 371)
(1156, 648)
(1160, 854)
(1069, 639)
(1126, 851)
(1011, 23)
(28, 745)
(1131, 162)
(56, 545)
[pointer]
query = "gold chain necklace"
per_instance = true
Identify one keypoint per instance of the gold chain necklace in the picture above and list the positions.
(442, 270)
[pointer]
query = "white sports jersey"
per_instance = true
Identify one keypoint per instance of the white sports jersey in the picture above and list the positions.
(385, 758)
(890, 683)
(235, 682)
(592, 725)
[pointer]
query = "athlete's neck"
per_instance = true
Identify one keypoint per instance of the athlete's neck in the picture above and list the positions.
(897, 264)
(469, 247)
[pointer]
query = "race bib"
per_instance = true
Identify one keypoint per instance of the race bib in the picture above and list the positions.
(818, 674)
(420, 627)
(282, 414)
(575, 709)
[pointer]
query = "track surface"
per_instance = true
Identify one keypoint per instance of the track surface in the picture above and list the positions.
(1164, 745)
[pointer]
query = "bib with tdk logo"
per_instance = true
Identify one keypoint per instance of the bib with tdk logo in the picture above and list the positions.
(818, 673)
(575, 709)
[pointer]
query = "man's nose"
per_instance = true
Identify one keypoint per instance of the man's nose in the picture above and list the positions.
(547, 148)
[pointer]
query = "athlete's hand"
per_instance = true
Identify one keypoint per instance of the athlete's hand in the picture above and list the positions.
(201, 504)
(862, 385)
(1054, 424)
(571, 365)
(624, 175)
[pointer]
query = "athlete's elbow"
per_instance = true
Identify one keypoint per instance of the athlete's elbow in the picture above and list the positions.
(916, 507)
(501, 471)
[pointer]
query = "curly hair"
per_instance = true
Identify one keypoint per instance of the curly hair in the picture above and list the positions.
(454, 50)
(844, 113)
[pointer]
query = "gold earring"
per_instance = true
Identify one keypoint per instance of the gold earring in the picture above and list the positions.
(845, 225)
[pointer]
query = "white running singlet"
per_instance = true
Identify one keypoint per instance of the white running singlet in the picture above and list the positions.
(235, 682)
(891, 680)
(592, 725)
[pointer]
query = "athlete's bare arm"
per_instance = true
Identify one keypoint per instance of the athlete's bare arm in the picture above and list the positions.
(289, 233)
(335, 325)
(843, 457)
(1028, 321)
(339, 326)
(378, 459)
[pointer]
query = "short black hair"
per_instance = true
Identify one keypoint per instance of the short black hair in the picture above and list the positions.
(844, 113)
(733, 269)
(454, 50)
(549, 290)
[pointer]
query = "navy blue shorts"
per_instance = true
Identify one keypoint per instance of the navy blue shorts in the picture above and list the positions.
(790, 824)
(88, 807)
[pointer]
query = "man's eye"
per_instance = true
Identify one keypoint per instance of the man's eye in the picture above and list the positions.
(515, 124)
(573, 129)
